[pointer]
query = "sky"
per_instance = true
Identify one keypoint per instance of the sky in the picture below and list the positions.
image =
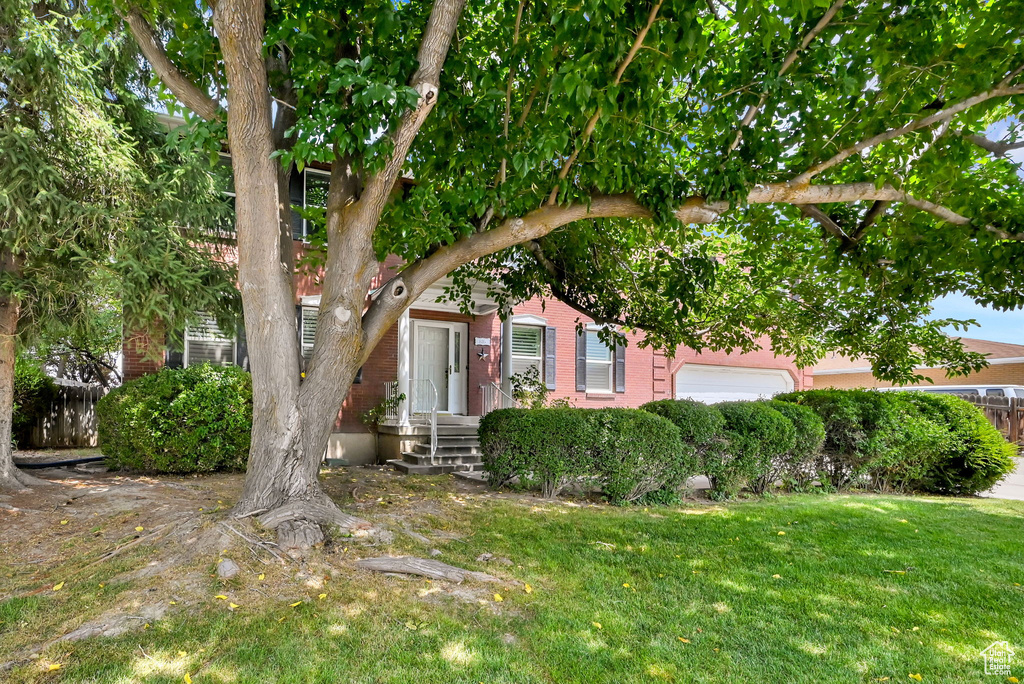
(998, 326)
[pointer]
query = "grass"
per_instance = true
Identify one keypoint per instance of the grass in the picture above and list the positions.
(795, 589)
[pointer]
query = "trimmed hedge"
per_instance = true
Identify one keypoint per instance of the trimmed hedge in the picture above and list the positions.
(972, 457)
(192, 420)
(798, 466)
(630, 454)
(861, 429)
(755, 436)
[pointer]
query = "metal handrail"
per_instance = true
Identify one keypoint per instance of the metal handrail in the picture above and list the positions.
(419, 385)
(496, 398)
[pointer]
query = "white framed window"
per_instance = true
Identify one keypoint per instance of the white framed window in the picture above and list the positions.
(527, 349)
(600, 365)
(308, 332)
(315, 185)
(206, 343)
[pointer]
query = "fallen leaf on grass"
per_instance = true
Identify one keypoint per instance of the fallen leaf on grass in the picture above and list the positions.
(685, 641)
(63, 522)
(297, 603)
(54, 666)
(322, 596)
(222, 597)
(188, 678)
(140, 528)
(596, 624)
(497, 598)
(916, 677)
(776, 576)
(527, 588)
(261, 577)
(58, 586)
(781, 533)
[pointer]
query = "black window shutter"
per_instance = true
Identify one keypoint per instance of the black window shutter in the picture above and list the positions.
(298, 333)
(581, 361)
(549, 358)
(241, 348)
(174, 354)
(620, 368)
(296, 187)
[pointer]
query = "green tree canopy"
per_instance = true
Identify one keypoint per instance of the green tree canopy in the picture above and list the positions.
(92, 199)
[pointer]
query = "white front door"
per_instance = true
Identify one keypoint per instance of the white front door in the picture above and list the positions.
(440, 357)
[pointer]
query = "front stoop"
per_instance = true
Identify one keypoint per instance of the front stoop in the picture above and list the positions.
(458, 449)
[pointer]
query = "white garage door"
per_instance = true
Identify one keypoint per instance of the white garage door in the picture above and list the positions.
(712, 384)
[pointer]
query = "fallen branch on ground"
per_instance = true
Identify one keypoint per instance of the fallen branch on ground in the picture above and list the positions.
(423, 567)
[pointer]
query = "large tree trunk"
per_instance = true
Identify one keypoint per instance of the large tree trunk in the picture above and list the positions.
(10, 476)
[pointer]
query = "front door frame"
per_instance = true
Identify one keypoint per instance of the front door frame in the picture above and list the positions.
(458, 391)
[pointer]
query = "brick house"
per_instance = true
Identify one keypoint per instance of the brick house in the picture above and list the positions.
(463, 363)
(1006, 367)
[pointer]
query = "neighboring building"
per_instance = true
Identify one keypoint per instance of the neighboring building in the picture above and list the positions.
(1006, 367)
(468, 360)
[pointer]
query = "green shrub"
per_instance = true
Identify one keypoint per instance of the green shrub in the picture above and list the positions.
(861, 427)
(192, 420)
(631, 454)
(799, 464)
(34, 392)
(700, 425)
(639, 456)
(755, 435)
(973, 456)
(915, 442)
(544, 448)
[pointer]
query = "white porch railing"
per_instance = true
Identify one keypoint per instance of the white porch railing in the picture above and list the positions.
(495, 398)
(422, 402)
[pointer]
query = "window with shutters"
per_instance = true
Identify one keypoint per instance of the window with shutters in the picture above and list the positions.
(206, 343)
(315, 187)
(309, 314)
(600, 364)
(527, 349)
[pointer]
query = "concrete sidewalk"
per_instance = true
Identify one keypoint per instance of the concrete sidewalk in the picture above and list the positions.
(1012, 487)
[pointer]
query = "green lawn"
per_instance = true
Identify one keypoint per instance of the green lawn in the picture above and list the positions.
(795, 589)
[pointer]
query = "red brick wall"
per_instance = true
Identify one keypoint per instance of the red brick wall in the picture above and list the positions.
(1001, 374)
(142, 353)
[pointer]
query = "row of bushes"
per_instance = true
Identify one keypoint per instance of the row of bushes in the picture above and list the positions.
(190, 420)
(838, 438)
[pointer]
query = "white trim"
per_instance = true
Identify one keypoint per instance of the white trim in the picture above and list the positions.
(310, 300)
(867, 369)
(529, 319)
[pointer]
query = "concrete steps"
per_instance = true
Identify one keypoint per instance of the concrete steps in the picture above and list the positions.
(458, 448)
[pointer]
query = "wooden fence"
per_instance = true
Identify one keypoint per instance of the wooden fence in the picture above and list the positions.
(71, 418)
(1006, 413)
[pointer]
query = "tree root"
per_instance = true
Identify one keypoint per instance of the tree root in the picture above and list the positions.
(15, 479)
(300, 524)
(423, 567)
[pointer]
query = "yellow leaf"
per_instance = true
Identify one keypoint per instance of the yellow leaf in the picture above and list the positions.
(626, 585)
(282, 619)
(174, 603)
(58, 586)
(497, 597)
(63, 522)
(188, 678)
(139, 528)
(685, 641)
(102, 585)
(322, 596)
(54, 666)
(261, 577)
(527, 588)
(903, 521)
(916, 677)
(182, 654)
(222, 597)
(232, 606)
(961, 45)
(1013, 680)
(781, 533)
(297, 603)
(596, 624)
(776, 576)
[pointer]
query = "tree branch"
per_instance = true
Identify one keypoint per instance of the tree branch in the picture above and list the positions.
(187, 92)
(752, 110)
(996, 147)
(559, 293)
(437, 36)
(592, 123)
(937, 117)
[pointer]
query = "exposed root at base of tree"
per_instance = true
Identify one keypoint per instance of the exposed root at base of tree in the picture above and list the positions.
(301, 525)
(17, 480)
(423, 567)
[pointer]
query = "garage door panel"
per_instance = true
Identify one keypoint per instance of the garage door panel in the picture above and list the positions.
(712, 384)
